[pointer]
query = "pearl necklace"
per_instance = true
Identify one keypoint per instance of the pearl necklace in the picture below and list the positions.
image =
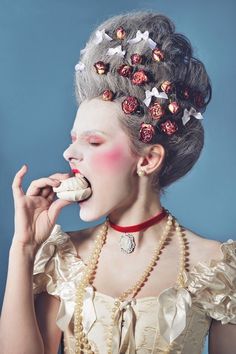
(82, 345)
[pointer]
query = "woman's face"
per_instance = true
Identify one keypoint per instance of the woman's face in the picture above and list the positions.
(100, 151)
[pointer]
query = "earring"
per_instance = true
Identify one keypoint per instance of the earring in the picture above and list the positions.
(141, 172)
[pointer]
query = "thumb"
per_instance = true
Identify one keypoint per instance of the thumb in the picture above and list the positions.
(55, 209)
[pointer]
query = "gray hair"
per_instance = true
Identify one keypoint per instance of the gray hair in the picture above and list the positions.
(183, 148)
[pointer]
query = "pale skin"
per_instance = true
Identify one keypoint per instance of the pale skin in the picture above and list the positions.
(106, 160)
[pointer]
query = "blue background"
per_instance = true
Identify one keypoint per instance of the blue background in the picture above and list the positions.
(40, 43)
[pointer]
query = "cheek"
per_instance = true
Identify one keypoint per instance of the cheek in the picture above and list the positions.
(112, 161)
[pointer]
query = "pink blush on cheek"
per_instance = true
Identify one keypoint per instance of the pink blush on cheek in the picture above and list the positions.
(112, 160)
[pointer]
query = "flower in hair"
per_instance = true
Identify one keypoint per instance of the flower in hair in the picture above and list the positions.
(167, 86)
(174, 107)
(154, 93)
(184, 92)
(100, 36)
(136, 59)
(157, 55)
(120, 33)
(101, 67)
(80, 66)
(107, 95)
(117, 50)
(156, 110)
(192, 112)
(143, 36)
(130, 105)
(139, 78)
(199, 100)
(146, 132)
(125, 70)
(169, 127)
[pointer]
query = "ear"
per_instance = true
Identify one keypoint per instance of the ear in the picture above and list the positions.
(152, 159)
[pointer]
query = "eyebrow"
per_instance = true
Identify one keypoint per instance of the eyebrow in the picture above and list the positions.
(89, 132)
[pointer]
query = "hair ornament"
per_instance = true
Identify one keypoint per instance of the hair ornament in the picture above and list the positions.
(107, 95)
(157, 55)
(136, 59)
(143, 36)
(100, 36)
(120, 33)
(199, 100)
(80, 66)
(156, 111)
(139, 78)
(192, 112)
(154, 93)
(125, 70)
(101, 67)
(130, 105)
(169, 127)
(167, 86)
(146, 132)
(174, 107)
(117, 50)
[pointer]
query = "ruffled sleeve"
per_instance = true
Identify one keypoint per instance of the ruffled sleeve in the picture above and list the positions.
(58, 271)
(213, 285)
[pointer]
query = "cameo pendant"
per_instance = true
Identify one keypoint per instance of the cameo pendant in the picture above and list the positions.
(127, 243)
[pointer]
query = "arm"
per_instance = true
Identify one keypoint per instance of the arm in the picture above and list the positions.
(222, 338)
(46, 308)
(19, 329)
(23, 318)
(35, 215)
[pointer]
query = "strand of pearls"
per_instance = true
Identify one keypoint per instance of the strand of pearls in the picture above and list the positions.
(82, 345)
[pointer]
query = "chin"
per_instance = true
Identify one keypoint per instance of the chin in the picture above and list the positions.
(88, 214)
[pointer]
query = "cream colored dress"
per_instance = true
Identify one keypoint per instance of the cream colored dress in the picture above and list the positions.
(175, 322)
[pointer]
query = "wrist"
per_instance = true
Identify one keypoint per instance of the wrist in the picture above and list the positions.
(27, 250)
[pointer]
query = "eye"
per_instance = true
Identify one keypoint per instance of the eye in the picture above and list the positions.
(94, 143)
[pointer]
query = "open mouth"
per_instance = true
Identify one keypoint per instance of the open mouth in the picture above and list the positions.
(76, 173)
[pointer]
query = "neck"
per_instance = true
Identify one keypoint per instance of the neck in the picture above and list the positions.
(142, 209)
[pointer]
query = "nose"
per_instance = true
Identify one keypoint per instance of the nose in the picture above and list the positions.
(72, 153)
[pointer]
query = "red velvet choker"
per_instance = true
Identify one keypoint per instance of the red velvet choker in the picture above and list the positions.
(127, 242)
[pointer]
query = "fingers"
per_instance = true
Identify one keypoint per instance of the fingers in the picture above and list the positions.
(37, 185)
(61, 176)
(55, 209)
(17, 182)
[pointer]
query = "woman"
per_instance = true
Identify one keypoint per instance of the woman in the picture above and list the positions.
(140, 282)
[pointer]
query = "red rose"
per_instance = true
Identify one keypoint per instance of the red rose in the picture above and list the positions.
(157, 55)
(174, 107)
(136, 59)
(199, 100)
(107, 95)
(146, 133)
(169, 127)
(167, 87)
(130, 104)
(101, 67)
(124, 70)
(156, 111)
(120, 33)
(139, 78)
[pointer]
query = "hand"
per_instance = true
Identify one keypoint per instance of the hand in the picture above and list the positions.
(36, 211)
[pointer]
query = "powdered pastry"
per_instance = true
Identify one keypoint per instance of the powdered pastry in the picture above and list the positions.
(73, 189)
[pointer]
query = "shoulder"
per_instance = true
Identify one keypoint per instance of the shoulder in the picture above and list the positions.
(83, 239)
(202, 249)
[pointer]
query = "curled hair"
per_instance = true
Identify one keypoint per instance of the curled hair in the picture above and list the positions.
(183, 148)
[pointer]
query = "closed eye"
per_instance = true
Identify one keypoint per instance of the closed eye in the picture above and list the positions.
(94, 144)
